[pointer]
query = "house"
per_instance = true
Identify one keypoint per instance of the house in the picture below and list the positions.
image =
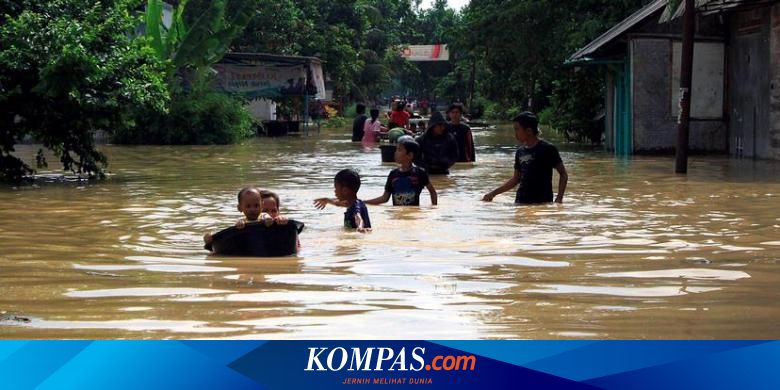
(753, 58)
(735, 105)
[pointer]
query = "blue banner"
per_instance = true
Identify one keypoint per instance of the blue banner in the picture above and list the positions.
(427, 364)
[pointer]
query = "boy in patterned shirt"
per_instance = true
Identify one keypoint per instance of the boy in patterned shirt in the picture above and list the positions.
(405, 183)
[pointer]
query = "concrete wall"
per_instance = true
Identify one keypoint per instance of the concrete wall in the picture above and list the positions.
(655, 126)
(774, 84)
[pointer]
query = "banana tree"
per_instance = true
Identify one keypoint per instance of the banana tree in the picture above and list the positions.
(164, 40)
(193, 50)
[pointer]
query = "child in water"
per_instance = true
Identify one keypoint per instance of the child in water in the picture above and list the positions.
(346, 185)
(256, 205)
(406, 183)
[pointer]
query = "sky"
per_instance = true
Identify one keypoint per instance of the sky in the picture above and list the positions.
(456, 4)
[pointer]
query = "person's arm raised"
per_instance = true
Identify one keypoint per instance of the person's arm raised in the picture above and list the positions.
(322, 202)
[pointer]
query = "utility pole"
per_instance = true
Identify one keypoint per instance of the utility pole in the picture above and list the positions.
(686, 77)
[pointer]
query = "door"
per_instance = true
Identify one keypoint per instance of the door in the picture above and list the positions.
(750, 95)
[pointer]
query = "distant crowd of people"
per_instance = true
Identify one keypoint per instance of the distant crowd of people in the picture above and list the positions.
(442, 143)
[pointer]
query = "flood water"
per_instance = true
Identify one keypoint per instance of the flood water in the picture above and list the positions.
(635, 252)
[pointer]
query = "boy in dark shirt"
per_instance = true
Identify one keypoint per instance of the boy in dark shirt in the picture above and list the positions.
(406, 183)
(462, 134)
(534, 163)
(346, 185)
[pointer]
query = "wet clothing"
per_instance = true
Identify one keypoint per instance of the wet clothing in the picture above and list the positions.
(357, 127)
(536, 169)
(400, 118)
(406, 187)
(465, 141)
(358, 208)
(437, 152)
(371, 131)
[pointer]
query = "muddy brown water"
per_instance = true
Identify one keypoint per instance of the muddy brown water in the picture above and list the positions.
(635, 252)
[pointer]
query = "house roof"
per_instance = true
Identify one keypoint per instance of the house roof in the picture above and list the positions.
(265, 57)
(707, 7)
(617, 31)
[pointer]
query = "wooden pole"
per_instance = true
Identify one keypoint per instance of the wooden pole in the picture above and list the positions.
(686, 77)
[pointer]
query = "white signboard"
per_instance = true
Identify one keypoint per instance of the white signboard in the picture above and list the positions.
(426, 53)
(268, 80)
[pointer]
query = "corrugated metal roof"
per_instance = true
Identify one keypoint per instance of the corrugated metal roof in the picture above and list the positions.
(618, 30)
(272, 58)
(714, 6)
(669, 15)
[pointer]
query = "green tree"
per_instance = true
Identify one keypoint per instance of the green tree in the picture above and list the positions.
(196, 114)
(520, 47)
(69, 68)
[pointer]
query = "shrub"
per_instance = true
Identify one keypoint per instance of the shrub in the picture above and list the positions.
(198, 118)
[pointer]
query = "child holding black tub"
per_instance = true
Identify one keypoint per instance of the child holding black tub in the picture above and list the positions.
(256, 205)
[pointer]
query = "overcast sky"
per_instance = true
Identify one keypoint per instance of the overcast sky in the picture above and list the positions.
(456, 4)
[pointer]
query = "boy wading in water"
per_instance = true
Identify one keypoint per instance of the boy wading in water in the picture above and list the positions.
(346, 185)
(406, 183)
(534, 163)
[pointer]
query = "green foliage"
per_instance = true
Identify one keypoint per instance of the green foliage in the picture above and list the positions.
(67, 69)
(338, 122)
(577, 100)
(164, 41)
(546, 116)
(191, 51)
(199, 118)
(520, 47)
(196, 115)
(209, 38)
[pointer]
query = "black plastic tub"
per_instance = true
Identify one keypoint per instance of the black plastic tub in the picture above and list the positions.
(388, 153)
(257, 240)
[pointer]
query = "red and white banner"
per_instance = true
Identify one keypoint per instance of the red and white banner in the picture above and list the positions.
(426, 53)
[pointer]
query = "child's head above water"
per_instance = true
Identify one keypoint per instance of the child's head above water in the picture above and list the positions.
(346, 184)
(406, 150)
(270, 203)
(250, 203)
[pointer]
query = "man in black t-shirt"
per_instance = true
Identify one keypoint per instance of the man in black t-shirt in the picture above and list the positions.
(534, 163)
(358, 123)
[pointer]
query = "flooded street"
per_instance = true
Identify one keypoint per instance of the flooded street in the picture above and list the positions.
(635, 252)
